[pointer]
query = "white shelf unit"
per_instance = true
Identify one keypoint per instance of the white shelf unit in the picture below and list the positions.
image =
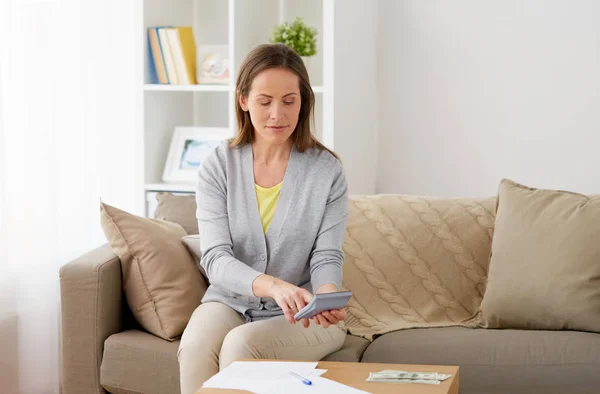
(170, 187)
(187, 88)
(242, 25)
(200, 88)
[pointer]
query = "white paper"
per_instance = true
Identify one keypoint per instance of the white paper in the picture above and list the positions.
(268, 377)
(256, 376)
(319, 385)
(316, 372)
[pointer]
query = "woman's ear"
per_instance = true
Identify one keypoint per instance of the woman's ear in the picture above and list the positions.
(243, 102)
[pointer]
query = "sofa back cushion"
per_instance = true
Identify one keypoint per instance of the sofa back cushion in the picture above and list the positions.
(192, 242)
(545, 263)
(161, 283)
(410, 261)
(180, 209)
(415, 261)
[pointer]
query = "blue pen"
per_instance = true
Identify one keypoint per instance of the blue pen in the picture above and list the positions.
(304, 380)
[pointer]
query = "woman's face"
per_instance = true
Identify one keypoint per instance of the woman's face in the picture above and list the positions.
(274, 104)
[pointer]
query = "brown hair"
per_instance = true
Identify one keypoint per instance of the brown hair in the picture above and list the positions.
(268, 56)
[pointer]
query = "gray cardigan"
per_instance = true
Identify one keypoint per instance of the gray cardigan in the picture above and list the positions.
(303, 244)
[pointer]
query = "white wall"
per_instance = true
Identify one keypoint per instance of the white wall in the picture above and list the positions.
(355, 92)
(473, 91)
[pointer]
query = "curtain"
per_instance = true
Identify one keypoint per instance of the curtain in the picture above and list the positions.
(66, 136)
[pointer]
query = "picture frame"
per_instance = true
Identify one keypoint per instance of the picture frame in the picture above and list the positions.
(188, 148)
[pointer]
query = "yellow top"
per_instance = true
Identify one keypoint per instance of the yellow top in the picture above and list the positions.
(267, 203)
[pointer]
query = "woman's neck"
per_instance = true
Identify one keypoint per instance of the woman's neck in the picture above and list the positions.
(266, 153)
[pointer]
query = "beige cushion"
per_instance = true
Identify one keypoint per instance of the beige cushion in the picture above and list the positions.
(545, 263)
(160, 280)
(351, 351)
(179, 209)
(415, 261)
(192, 242)
(499, 361)
(495, 348)
(137, 362)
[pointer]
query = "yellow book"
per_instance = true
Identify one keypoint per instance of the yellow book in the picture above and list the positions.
(188, 50)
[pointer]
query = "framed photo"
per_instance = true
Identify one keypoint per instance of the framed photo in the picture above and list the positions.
(189, 148)
(212, 64)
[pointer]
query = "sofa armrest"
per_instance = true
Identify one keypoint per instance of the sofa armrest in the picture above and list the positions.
(91, 296)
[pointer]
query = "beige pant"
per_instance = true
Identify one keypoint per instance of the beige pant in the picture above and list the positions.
(216, 335)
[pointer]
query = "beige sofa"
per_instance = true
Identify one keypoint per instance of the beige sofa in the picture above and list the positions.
(417, 267)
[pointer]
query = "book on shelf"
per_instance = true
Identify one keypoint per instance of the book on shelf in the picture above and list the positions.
(173, 54)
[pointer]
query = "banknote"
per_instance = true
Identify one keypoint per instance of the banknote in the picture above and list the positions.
(407, 377)
(412, 375)
(381, 380)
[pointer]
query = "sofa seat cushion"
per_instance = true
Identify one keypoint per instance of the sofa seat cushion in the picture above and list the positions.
(351, 351)
(499, 361)
(138, 362)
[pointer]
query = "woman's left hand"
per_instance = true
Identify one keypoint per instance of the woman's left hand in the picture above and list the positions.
(327, 318)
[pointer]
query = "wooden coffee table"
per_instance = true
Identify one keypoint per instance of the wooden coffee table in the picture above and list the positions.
(355, 375)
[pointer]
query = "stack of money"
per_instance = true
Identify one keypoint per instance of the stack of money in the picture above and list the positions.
(392, 376)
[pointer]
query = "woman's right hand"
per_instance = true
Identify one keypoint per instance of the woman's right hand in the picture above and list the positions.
(290, 298)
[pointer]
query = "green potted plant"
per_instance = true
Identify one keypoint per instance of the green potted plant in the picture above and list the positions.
(299, 37)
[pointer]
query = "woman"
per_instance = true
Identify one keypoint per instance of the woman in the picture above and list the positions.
(272, 212)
